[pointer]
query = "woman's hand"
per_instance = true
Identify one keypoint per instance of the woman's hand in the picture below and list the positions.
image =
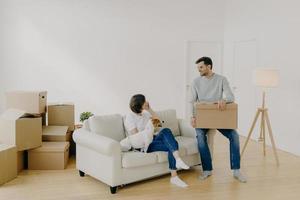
(146, 106)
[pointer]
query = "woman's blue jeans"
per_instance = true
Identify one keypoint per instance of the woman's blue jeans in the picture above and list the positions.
(165, 141)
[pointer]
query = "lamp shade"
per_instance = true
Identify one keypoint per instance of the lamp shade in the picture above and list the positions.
(266, 77)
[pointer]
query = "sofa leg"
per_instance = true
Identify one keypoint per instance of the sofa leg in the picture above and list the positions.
(81, 173)
(113, 190)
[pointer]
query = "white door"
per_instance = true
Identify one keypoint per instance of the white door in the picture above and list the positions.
(193, 51)
(245, 61)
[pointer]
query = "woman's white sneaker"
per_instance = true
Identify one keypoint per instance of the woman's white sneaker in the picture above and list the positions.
(178, 182)
(180, 164)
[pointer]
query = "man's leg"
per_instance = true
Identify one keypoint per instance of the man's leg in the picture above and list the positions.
(204, 152)
(235, 158)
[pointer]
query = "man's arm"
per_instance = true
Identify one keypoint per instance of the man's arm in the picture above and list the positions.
(192, 99)
(229, 97)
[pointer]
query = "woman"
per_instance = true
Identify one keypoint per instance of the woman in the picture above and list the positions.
(136, 122)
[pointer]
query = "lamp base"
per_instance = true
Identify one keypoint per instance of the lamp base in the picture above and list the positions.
(264, 120)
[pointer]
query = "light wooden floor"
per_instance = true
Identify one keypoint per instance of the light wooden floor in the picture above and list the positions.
(265, 181)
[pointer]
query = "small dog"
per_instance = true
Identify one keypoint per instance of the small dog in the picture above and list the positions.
(143, 138)
(157, 124)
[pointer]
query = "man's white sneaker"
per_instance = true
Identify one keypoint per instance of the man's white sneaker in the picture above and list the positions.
(205, 175)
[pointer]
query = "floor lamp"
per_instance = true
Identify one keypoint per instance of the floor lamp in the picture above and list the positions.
(264, 78)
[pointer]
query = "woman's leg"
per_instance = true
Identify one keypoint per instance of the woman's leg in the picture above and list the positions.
(158, 145)
(168, 139)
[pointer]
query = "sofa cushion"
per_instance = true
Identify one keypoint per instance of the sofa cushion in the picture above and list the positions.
(163, 156)
(169, 120)
(137, 159)
(188, 143)
(108, 125)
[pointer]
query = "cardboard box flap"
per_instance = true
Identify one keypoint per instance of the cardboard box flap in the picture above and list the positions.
(5, 146)
(52, 147)
(55, 130)
(202, 106)
(61, 104)
(14, 114)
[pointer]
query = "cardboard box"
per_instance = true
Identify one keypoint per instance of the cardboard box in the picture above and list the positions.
(33, 102)
(20, 129)
(8, 163)
(61, 115)
(56, 133)
(209, 116)
(50, 156)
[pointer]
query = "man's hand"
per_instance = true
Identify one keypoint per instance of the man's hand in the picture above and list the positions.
(193, 122)
(222, 105)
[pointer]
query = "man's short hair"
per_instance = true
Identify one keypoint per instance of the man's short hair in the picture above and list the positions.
(136, 103)
(206, 60)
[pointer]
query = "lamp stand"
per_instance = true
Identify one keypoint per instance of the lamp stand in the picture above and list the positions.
(264, 120)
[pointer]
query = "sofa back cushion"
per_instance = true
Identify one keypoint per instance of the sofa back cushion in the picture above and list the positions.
(169, 119)
(108, 125)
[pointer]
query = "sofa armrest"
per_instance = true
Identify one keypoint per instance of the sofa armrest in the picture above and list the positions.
(188, 131)
(99, 143)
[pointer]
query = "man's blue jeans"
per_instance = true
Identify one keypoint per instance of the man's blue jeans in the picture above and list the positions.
(205, 155)
(165, 141)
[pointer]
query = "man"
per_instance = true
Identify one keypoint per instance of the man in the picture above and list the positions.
(213, 88)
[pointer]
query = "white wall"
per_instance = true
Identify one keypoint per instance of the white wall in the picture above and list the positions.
(99, 53)
(275, 25)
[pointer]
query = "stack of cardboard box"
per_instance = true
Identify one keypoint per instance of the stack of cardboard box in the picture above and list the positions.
(62, 114)
(56, 135)
(21, 129)
(26, 139)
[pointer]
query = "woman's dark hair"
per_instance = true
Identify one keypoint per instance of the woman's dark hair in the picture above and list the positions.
(136, 103)
(206, 60)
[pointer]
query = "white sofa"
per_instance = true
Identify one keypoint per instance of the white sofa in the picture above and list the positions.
(98, 151)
